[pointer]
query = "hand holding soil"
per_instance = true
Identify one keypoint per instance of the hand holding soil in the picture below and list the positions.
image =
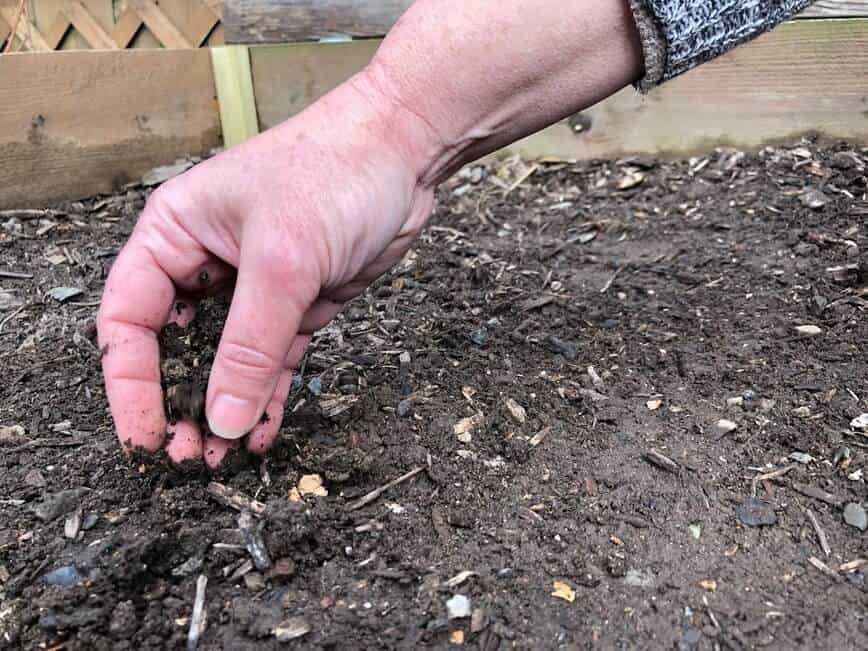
(294, 223)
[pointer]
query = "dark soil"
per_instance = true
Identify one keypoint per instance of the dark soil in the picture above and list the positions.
(680, 283)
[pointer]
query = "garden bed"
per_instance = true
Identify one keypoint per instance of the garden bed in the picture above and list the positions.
(619, 436)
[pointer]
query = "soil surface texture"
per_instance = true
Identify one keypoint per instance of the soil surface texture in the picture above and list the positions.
(612, 404)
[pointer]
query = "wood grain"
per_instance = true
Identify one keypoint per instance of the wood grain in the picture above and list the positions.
(287, 21)
(806, 76)
(74, 124)
(836, 9)
(284, 21)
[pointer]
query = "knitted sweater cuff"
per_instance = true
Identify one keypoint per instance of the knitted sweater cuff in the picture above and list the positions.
(678, 35)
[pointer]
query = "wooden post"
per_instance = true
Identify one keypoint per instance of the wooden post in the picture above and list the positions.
(234, 84)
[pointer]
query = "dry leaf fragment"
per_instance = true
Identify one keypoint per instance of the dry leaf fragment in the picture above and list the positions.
(564, 591)
(709, 584)
(539, 437)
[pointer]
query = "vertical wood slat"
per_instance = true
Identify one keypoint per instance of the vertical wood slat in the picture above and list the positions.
(234, 83)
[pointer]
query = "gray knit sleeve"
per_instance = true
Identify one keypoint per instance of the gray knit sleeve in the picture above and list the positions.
(678, 35)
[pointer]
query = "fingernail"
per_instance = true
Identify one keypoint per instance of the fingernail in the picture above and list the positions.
(229, 416)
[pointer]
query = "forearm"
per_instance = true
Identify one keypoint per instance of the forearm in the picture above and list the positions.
(466, 78)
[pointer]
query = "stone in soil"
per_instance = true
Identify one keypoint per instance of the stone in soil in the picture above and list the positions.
(756, 513)
(855, 516)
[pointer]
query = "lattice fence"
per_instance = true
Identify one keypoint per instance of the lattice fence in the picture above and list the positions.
(36, 25)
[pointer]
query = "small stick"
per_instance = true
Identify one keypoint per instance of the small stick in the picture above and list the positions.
(825, 569)
(197, 621)
(374, 494)
(15, 22)
(12, 316)
(821, 535)
(817, 493)
(853, 566)
(609, 282)
(661, 461)
(15, 275)
(235, 499)
(774, 474)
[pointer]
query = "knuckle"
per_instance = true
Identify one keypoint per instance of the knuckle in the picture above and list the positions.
(249, 362)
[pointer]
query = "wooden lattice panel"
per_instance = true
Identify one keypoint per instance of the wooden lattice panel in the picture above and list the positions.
(109, 24)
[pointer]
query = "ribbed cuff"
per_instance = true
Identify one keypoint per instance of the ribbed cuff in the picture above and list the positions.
(678, 35)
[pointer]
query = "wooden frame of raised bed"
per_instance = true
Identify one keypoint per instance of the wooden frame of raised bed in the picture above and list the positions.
(82, 121)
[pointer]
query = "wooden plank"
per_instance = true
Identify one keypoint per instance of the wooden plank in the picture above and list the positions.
(806, 76)
(283, 21)
(163, 28)
(836, 9)
(47, 13)
(288, 78)
(234, 83)
(88, 27)
(74, 124)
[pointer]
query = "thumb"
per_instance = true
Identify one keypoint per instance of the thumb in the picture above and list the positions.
(272, 293)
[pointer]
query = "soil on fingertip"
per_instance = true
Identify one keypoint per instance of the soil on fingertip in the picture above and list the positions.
(624, 439)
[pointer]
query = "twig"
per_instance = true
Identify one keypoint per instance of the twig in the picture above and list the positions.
(825, 569)
(821, 535)
(524, 177)
(374, 494)
(235, 499)
(661, 461)
(197, 621)
(48, 443)
(12, 316)
(15, 275)
(774, 474)
(609, 282)
(817, 493)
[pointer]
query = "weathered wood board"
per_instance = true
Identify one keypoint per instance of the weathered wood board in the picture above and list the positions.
(73, 124)
(806, 76)
(287, 21)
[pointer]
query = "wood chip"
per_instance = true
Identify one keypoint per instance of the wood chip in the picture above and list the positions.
(235, 499)
(563, 591)
(72, 525)
(291, 629)
(539, 437)
(854, 566)
(253, 541)
(774, 474)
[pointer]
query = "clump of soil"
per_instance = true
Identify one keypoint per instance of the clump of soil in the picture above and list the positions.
(610, 431)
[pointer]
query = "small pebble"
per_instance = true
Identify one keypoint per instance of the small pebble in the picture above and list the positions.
(479, 337)
(860, 422)
(855, 516)
(809, 330)
(813, 199)
(65, 576)
(725, 426)
(561, 347)
(315, 386)
(639, 579)
(756, 513)
(89, 521)
(458, 607)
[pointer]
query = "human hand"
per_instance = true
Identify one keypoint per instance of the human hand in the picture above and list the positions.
(298, 220)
